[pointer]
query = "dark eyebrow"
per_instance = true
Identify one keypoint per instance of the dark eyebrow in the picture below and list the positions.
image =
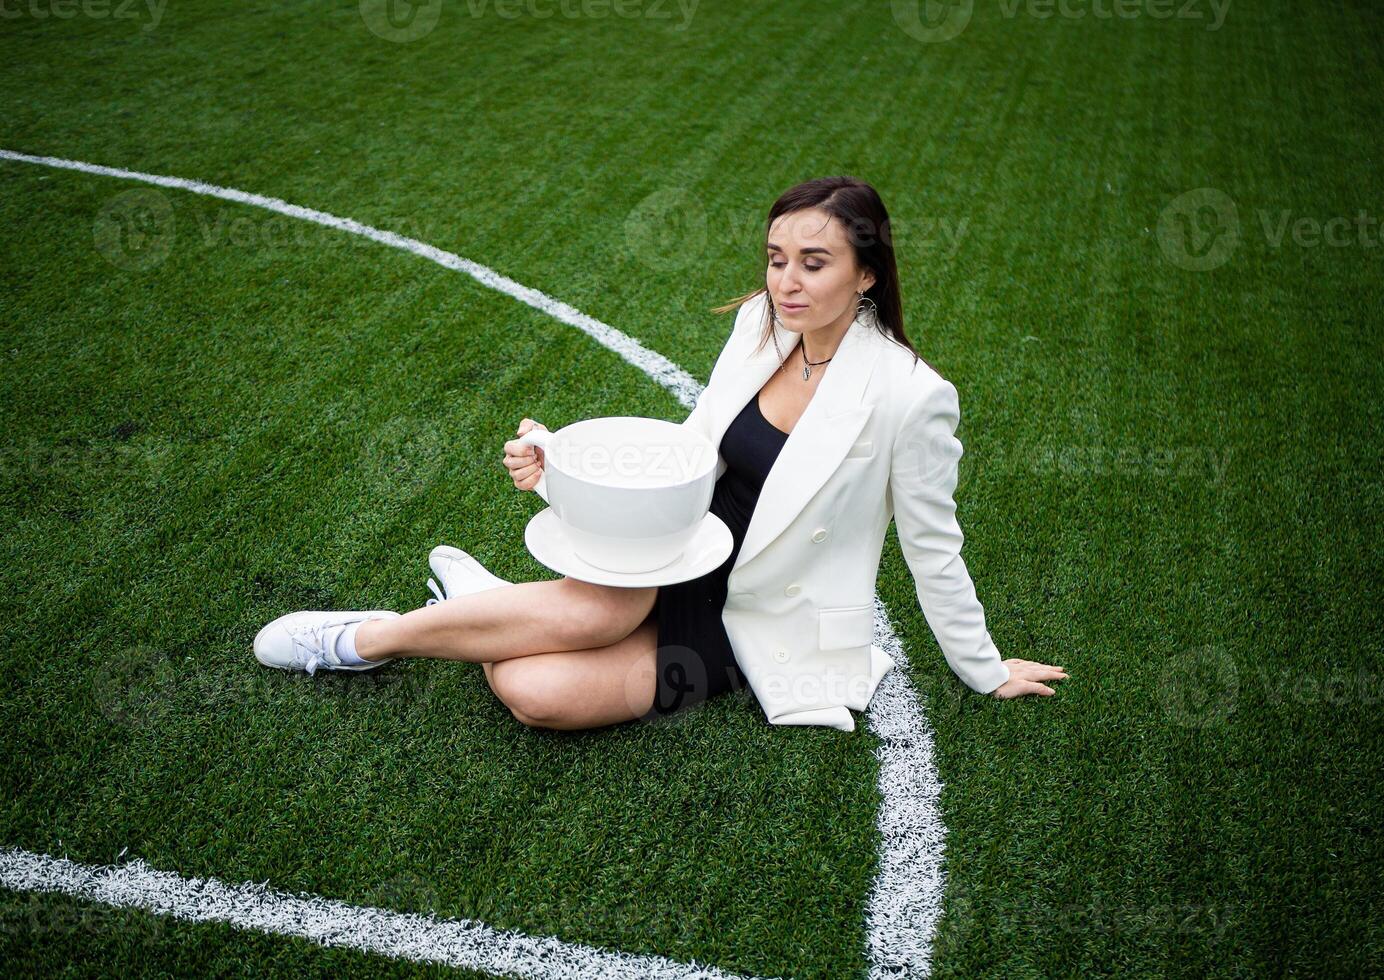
(806, 251)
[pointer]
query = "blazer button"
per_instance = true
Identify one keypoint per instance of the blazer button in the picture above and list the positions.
(820, 534)
(781, 656)
(793, 589)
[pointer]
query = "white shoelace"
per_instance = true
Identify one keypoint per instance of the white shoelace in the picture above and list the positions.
(315, 644)
(437, 591)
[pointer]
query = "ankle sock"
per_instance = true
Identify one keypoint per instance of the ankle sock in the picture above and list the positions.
(346, 646)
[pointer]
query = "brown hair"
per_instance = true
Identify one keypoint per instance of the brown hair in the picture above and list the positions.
(859, 209)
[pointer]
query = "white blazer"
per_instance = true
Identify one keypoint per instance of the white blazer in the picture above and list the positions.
(877, 440)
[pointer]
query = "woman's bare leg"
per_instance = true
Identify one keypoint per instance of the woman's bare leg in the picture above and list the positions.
(579, 689)
(517, 620)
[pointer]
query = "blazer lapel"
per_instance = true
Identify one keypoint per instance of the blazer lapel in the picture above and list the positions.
(747, 378)
(820, 439)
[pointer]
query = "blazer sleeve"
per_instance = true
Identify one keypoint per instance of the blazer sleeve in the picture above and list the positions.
(922, 481)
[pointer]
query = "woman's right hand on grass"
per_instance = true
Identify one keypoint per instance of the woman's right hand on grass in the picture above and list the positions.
(525, 462)
(1026, 677)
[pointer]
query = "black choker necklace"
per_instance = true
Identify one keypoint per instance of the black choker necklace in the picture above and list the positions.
(809, 365)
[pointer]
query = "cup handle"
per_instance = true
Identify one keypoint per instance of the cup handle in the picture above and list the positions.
(540, 438)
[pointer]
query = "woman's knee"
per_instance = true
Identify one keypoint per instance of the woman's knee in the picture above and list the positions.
(582, 688)
(527, 688)
(601, 614)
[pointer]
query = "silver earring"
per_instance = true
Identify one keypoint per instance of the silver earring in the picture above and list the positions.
(861, 307)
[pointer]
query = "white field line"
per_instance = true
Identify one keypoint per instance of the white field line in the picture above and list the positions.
(425, 938)
(905, 899)
(665, 372)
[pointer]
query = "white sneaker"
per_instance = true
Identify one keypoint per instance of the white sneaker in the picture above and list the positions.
(459, 573)
(308, 640)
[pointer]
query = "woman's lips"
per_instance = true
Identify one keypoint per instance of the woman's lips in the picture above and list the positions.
(792, 307)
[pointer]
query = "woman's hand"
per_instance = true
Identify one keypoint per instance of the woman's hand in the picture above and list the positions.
(525, 462)
(1025, 677)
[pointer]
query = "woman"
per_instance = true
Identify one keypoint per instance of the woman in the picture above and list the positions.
(878, 443)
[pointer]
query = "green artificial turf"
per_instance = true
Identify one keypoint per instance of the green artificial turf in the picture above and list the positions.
(1171, 484)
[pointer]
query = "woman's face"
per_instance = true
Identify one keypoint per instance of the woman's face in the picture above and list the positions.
(813, 277)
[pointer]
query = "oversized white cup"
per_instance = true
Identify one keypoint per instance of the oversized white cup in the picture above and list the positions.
(629, 491)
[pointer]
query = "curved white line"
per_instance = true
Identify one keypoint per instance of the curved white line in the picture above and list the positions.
(656, 366)
(906, 897)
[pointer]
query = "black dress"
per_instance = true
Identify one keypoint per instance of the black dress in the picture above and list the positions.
(695, 659)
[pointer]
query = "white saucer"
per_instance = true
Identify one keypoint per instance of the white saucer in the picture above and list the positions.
(547, 541)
